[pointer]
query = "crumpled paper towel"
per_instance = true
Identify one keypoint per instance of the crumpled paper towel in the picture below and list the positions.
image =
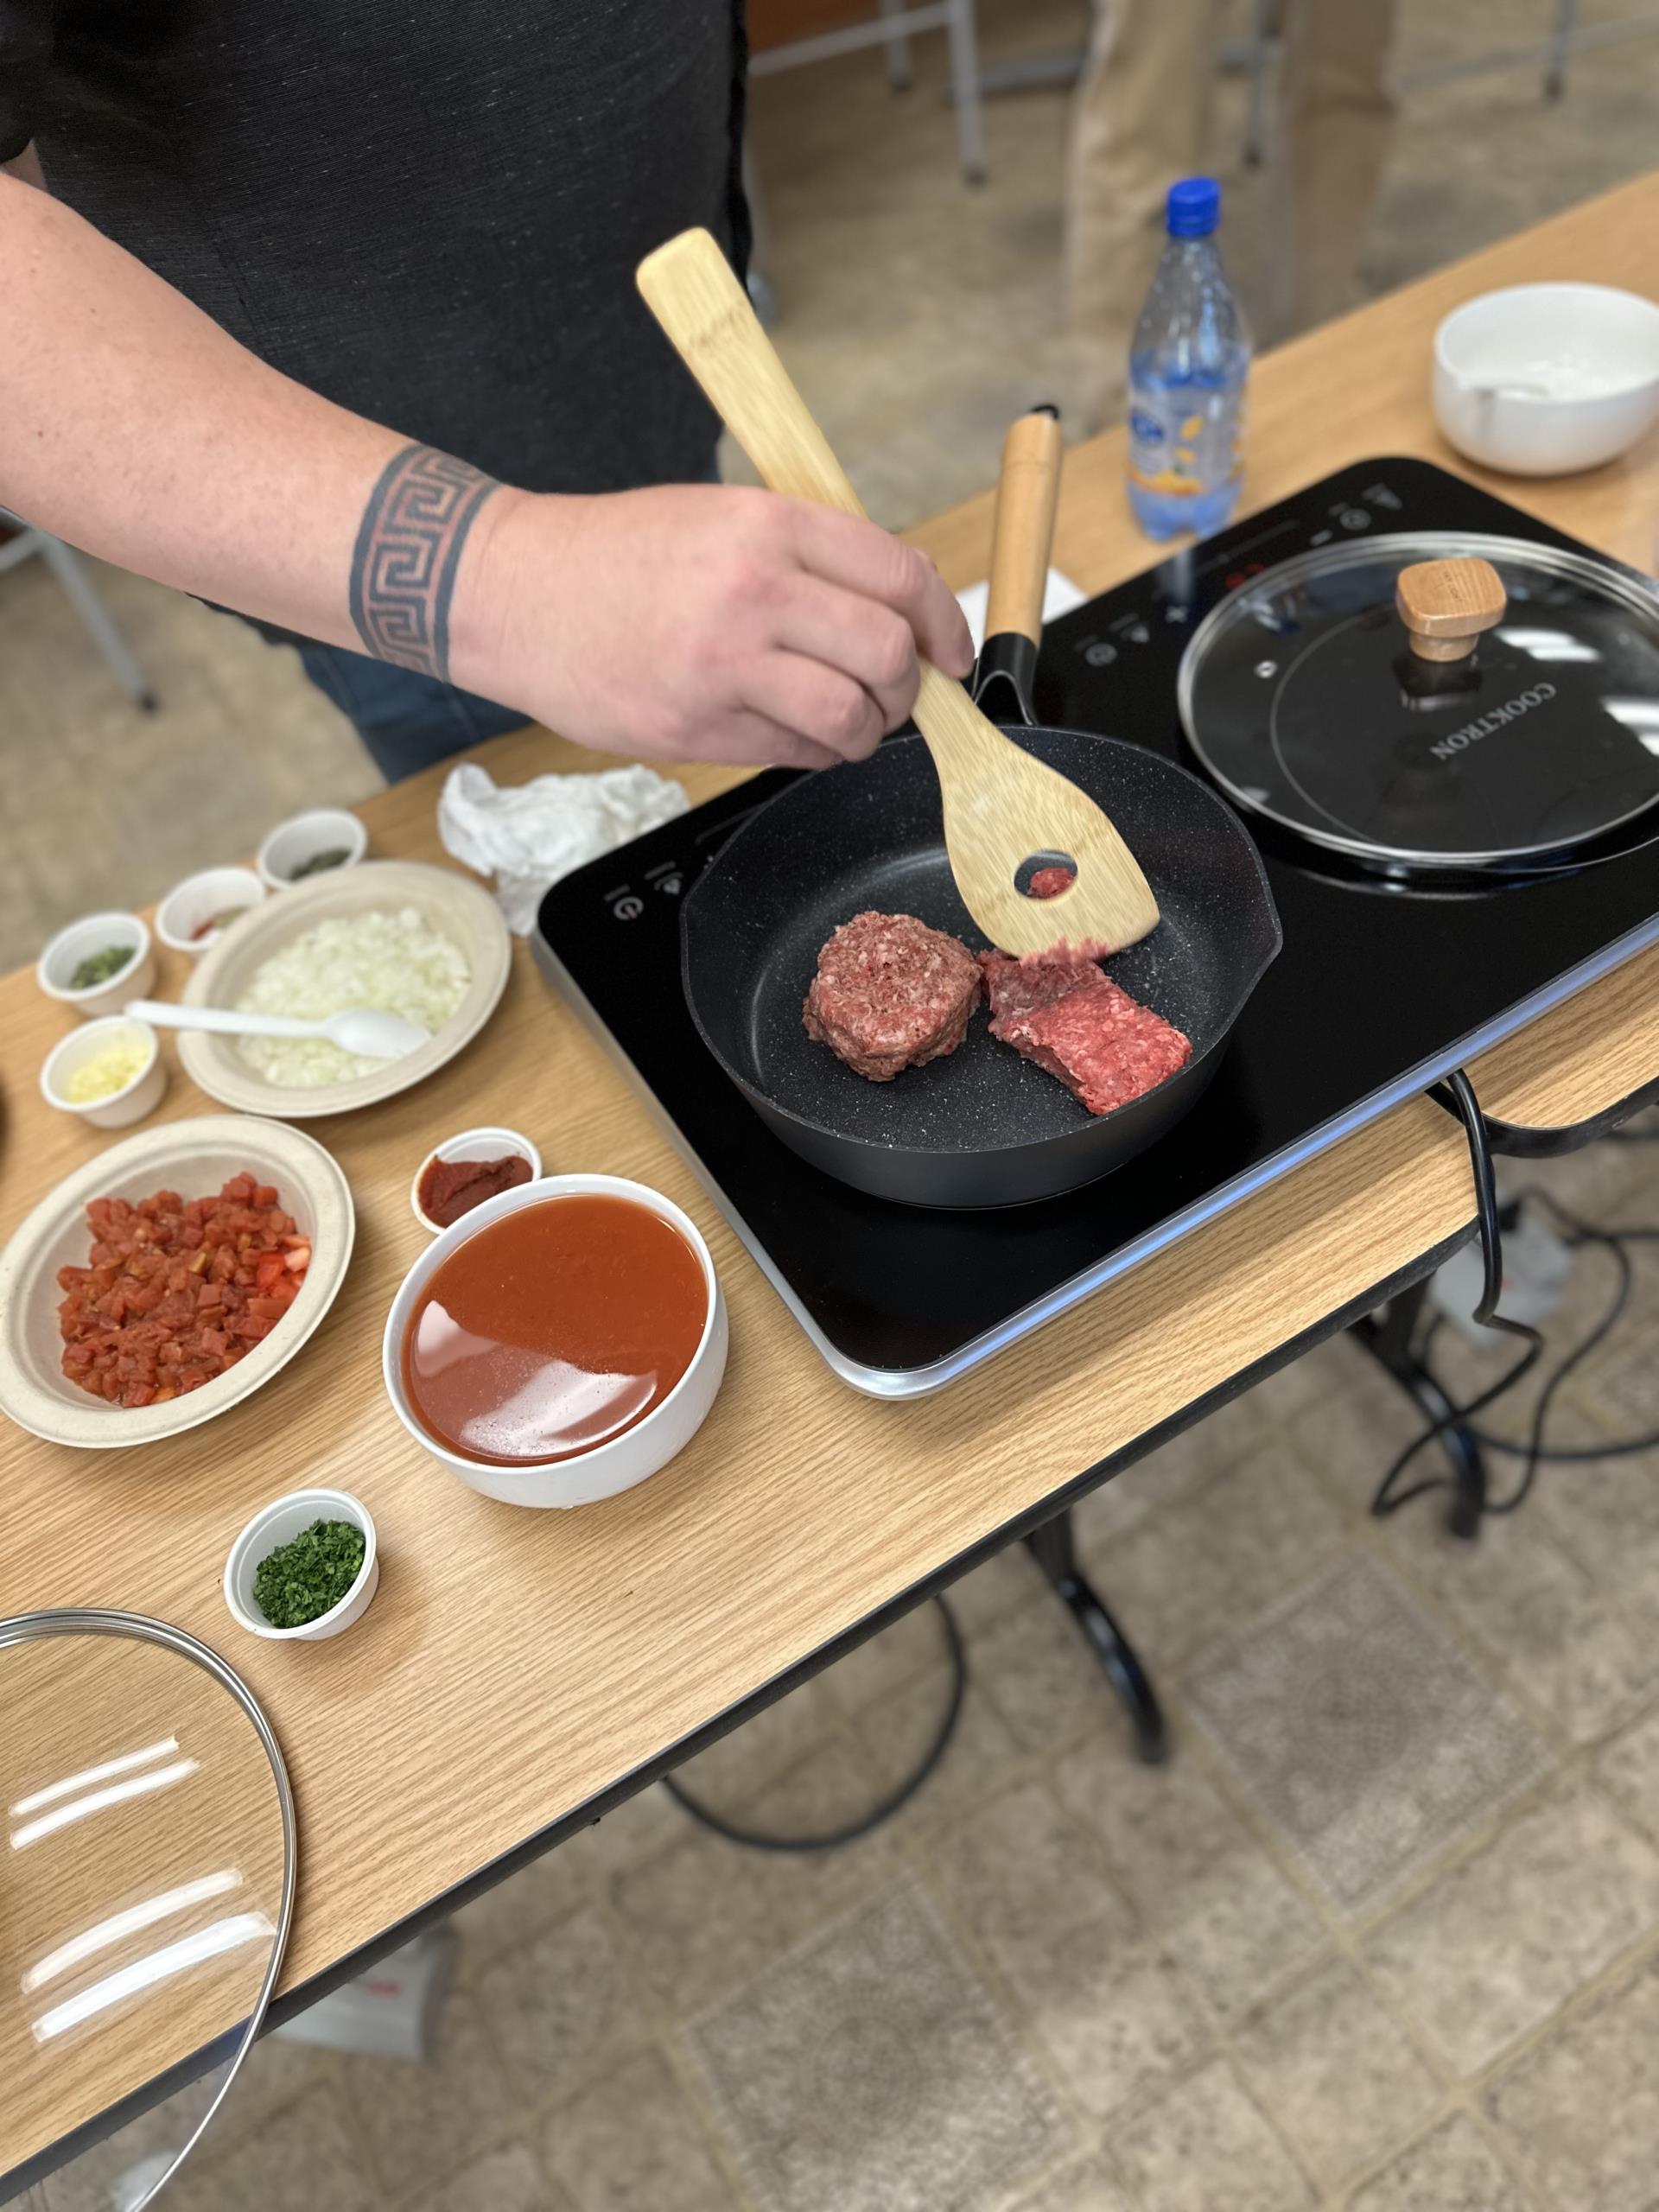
(527, 835)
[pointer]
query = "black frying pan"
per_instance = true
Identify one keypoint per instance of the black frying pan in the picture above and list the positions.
(983, 1128)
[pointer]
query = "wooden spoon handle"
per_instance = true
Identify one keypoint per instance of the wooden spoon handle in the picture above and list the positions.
(690, 288)
(1027, 493)
(999, 805)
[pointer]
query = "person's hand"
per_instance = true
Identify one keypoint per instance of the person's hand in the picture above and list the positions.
(702, 622)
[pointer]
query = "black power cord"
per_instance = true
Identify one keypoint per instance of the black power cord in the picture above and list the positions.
(753, 1840)
(1459, 1092)
(1533, 1452)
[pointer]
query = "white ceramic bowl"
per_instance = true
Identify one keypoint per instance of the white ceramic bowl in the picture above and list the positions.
(625, 1459)
(291, 843)
(65, 951)
(142, 1095)
(1541, 380)
(471, 1144)
(279, 1524)
(197, 900)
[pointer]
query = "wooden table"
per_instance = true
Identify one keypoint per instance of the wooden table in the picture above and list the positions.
(519, 1672)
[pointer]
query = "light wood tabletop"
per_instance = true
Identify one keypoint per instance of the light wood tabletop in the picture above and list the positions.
(514, 1666)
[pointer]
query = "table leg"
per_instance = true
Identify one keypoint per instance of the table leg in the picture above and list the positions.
(1054, 1548)
(1390, 1337)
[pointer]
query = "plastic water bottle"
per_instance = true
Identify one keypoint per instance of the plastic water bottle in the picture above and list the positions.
(1188, 366)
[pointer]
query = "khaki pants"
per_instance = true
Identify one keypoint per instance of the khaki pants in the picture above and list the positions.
(1139, 121)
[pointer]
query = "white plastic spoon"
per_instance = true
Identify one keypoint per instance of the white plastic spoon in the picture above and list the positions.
(362, 1031)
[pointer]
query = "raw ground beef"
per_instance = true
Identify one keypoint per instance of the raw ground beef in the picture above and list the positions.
(890, 994)
(1084, 1029)
(1049, 882)
(1020, 987)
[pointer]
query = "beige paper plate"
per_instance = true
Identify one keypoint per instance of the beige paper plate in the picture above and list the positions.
(195, 1158)
(449, 903)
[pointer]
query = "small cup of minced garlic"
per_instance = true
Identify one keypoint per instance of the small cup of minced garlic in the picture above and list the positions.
(109, 1071)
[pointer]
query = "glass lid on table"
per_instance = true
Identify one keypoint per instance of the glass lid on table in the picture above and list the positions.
(145, 1891)
(1427, 701)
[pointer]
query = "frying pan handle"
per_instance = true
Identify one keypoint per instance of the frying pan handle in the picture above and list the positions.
(1027, 494)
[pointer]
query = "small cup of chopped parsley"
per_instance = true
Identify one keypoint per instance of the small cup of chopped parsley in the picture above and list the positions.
(98, 964)
(304, 1567)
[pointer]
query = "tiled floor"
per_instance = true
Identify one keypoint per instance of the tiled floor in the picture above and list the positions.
(1383, 1935)
(919, 314)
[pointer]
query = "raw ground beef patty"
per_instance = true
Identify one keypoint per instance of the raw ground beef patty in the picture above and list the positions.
(890, 993)
(1073, 1020)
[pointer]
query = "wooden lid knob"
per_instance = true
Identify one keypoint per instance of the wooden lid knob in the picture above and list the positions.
(1446, 605)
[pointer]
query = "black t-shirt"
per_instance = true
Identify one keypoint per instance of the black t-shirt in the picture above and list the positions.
(430, 211)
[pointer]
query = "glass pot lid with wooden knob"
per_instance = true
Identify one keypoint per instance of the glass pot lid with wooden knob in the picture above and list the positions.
(147, 1871)
(1430, 700)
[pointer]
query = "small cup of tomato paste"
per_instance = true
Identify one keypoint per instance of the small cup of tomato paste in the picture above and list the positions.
(464, 1171)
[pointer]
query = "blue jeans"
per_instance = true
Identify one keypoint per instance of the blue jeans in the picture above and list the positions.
(406, 720)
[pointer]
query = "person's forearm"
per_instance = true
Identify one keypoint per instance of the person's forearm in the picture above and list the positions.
(685, 621)
(134, 426)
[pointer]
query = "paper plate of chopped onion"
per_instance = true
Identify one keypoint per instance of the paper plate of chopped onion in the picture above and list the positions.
(394, 934)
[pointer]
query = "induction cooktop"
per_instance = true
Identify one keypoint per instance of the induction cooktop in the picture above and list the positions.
(1382, 988)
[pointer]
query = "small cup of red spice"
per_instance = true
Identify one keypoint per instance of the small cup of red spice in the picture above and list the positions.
(464, 1171)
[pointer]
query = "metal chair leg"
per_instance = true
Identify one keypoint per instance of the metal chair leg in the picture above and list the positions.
(964, 90)
(761, 291)
(1054, 1548)
(899, 73)
(66, 566)
(1560, 46)
(1263, 48)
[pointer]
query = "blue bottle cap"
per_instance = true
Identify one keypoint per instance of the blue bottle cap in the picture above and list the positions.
(1194, 207)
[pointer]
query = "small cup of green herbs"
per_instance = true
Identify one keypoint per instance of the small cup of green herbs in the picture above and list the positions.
(98, 964)
(306, 1567)
(311, 844)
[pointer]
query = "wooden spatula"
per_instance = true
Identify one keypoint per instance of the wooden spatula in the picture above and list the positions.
(1001, 807)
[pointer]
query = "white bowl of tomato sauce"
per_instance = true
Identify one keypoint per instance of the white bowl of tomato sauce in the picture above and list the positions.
(559, 1343)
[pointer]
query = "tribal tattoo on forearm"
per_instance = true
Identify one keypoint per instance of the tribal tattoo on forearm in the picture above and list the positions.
(409, 548)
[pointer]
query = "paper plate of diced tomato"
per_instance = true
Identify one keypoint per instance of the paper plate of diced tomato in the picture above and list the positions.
(169, 1278)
